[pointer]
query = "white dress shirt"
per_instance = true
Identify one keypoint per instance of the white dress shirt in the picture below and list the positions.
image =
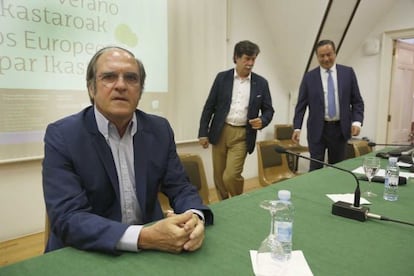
(123, 153)
(239, 101)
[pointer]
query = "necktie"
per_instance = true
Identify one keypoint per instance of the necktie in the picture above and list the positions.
(331, 96)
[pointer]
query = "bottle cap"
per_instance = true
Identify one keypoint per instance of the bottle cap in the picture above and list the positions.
(284, 195)
(393, 159)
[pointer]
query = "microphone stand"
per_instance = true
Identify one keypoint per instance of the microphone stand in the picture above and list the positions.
(340, 208)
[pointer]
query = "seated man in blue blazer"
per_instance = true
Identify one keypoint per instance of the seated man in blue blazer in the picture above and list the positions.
(104, 166)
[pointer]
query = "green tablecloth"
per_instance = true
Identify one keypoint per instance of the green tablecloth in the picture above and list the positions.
(332, 245)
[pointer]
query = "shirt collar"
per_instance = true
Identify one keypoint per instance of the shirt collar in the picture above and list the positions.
(237, 76)
(103, 124)
(332, 69)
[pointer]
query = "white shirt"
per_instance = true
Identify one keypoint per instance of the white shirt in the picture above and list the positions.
(239, 101)
(123, 153)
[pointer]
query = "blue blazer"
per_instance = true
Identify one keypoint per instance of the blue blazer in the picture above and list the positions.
(311, 95)
(218, 102)
(81, 187)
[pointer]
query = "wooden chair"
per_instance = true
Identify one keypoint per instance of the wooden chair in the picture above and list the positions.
(283, 133)
(357, 147)
(361, 147)
(350, 151)
(273, 166)
(194, 167)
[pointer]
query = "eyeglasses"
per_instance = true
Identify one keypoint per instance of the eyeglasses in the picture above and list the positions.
(110, 78)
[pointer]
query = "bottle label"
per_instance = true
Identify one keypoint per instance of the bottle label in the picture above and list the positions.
(284, 231)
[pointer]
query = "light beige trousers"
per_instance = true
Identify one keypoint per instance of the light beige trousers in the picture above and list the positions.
(228, 157)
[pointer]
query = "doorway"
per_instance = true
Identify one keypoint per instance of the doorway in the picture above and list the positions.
(384, 107)
(400, 114)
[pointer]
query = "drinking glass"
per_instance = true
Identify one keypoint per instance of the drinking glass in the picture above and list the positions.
(270, 255)
(371, 167)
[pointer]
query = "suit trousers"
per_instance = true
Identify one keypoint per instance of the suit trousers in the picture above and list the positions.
(229, 155)
(333, 141)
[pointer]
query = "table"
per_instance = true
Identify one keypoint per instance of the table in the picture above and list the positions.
(332, 245)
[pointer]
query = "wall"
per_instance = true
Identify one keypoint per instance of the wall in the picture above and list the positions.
(372, 71)
(197, 38)
(21, 199)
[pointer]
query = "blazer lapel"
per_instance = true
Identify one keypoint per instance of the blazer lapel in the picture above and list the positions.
(228, 86)
(253, 89)
(316, 78)
(142, 144)
(339, 83)
(103, 150)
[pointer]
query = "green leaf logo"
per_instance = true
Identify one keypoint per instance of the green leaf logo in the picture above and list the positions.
(125, 35)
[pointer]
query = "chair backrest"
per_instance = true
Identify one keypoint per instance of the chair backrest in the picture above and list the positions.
(273, 166)
(283, 131)
(357, 147)
(361, 147)
(350, 151)
(194, 167)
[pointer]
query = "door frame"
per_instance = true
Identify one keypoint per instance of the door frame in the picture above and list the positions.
(385, 80)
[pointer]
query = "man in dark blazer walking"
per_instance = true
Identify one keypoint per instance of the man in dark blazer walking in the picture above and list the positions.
(238, 105)
(104, 166)
(336, 108)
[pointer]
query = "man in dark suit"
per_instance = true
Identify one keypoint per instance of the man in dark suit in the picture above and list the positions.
(336, 108)
(238, 105)
(104, 167)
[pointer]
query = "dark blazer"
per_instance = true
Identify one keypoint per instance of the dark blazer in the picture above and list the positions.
(217, 107)
(81, 187)
(311, 95)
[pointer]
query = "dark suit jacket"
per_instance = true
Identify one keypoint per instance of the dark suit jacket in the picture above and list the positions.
(217, 107)
(311, 95)
(81, 187)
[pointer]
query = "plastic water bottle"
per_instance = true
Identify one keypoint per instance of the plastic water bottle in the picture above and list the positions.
(284, 222)
(392, 174)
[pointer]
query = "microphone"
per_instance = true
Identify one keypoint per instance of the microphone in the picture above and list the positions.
(339, 208)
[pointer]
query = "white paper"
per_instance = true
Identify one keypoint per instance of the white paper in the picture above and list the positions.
(381, 172)
(346, 198)
(296, 266)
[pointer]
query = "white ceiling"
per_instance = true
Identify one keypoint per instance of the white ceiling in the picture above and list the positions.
(294, 24)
